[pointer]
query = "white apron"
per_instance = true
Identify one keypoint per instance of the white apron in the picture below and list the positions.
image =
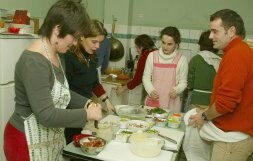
(46, 144)
(164, 80)
(196, 143)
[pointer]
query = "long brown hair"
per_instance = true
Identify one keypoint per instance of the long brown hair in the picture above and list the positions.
(96, 28)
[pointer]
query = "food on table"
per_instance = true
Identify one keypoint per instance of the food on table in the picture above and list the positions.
(92, 145)
(152, 132)
(123, 135)
(174, 120)
(138, 125)
(158, 111)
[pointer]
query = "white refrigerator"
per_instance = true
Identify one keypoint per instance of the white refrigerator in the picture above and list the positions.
(11, 48)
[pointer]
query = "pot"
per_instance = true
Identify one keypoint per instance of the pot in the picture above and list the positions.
(117, 49)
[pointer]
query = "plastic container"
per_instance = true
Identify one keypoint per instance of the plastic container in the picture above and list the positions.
(145, 145)
(174, 120)
(105, 131)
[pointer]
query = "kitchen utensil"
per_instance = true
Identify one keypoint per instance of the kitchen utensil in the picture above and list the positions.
(96, 124)
(168, 139)
(131, 112)
(117, 49)
(173, 151)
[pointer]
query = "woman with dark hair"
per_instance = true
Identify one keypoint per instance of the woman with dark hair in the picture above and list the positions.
(202, 70)
(144, 45)
(165, 74)
(35, 130)
(81, 69)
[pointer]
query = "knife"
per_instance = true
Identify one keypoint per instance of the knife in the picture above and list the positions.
(168, 139)
(96, 124)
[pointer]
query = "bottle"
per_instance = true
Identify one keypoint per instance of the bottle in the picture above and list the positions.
(135, 63)
(130, 64)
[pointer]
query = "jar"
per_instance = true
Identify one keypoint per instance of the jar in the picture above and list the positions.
(105, 131)
(174, 120)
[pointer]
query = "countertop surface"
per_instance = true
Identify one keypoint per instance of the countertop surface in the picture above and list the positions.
(108, 79)
(109, 153)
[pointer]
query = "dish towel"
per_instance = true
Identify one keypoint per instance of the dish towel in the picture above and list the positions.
(196, 145)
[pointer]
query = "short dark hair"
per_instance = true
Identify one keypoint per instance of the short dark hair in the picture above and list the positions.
(172, 32)
(206, 43)
(71, 17)
(144, 41)
(230, 18)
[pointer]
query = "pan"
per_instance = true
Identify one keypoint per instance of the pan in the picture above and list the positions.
(117, 49)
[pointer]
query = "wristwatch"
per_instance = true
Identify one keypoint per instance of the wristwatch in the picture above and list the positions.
(103, 100)
(204, 117)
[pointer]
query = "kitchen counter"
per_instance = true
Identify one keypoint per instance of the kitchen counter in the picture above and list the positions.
(115, 151)
(108, 79)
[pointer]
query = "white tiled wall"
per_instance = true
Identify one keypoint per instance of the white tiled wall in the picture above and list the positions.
(188, 46)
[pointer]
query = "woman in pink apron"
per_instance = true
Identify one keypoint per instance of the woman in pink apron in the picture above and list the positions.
(165, 74)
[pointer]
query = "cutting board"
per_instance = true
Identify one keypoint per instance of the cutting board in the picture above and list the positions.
(116, 151)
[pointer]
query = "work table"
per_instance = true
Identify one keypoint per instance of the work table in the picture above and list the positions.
(115, 151)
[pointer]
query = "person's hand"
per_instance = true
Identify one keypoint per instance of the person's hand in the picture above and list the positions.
(173, 94)
(154, 95)
(94, 111)
(121, 89)
(196, 120)
(109, 106)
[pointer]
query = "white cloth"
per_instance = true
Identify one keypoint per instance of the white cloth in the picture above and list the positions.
(196, 146)
(46, 143)
(181, 71)
(211, 58)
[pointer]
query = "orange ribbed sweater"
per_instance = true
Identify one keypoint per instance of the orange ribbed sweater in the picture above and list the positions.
(233, 88)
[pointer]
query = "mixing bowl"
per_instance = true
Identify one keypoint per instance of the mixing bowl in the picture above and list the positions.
(92, 145)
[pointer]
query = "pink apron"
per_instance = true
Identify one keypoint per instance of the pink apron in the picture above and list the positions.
(164, 79)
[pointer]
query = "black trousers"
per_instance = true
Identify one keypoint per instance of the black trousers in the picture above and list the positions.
(70, 132)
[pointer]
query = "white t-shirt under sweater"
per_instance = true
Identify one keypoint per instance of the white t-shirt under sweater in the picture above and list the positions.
(181, 71)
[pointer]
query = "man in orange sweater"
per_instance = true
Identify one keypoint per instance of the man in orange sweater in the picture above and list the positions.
(227, 125)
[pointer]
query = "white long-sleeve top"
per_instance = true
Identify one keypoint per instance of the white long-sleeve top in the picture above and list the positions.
(181, 71)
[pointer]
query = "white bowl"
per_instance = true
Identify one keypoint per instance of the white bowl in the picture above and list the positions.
(145, 145)
(123, 135)
(138, 125)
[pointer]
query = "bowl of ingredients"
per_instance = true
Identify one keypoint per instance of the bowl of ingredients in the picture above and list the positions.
(160, 122)
(131, 112)
(145, 145)
(174, 120)
(158, 113)
(152, 132)
(123, 122)
(123, 135)
(92, 145)
(138, 125)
